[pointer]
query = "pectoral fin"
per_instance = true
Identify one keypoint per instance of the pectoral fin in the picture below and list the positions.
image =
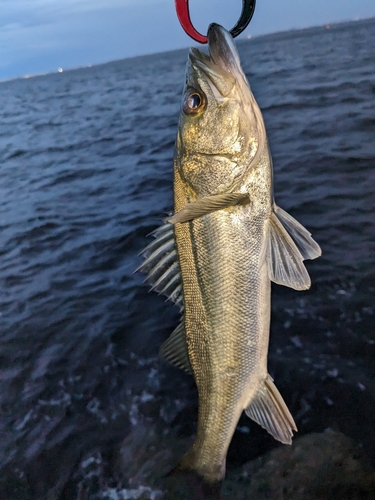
(175, 349)
(206, 205)
(284, 260)
(269, 410)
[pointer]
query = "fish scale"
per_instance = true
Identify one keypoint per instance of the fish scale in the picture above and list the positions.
(231, 343)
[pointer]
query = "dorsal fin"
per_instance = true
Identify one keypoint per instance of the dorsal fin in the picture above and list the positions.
(164, 274)
(161, 264)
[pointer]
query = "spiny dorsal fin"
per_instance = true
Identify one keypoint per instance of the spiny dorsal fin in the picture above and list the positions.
(206, 205)
(161, 264)
(269, 410)
(307, 246)
(284, 260)
(175, 349)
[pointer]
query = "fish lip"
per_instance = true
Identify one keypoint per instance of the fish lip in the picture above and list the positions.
(218, 37)
(223, 51)
(216, 34)
(199, 59)
(221, 66)
(200, 65)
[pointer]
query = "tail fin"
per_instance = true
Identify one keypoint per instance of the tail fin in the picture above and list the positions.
(269, 410)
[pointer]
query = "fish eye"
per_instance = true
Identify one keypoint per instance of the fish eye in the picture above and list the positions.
(194, 102)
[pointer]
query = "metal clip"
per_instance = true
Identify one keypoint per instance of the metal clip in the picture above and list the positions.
(183, 14)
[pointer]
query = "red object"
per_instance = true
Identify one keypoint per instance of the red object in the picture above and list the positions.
(182, 9)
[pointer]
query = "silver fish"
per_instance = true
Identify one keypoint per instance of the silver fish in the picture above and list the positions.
(217, 255)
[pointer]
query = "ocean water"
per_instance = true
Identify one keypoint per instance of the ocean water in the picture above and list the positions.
(86, 160)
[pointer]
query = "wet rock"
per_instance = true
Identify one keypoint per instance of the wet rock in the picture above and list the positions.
(148, 454)
(322, 466)
(319, 466)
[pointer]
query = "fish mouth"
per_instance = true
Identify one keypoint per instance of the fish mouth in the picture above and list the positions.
(221, 67)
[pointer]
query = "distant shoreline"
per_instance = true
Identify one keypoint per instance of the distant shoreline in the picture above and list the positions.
(244, 38)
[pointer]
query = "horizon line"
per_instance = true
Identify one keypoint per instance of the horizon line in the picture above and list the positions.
(242, 38)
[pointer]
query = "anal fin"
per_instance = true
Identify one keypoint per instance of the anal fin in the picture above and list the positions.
(269, 410)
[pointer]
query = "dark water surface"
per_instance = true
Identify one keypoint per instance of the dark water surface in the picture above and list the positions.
(86, 173)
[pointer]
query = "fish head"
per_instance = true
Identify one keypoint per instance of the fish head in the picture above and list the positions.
(221, 131)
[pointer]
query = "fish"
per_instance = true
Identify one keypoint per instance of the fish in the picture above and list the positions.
(217, 254)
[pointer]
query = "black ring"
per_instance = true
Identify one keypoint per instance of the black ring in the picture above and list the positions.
(248, 7)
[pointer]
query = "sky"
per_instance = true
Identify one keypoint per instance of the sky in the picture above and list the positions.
(39, 36)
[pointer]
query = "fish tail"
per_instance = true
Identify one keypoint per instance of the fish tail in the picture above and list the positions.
(211, 472)
(185, 481)
(206, 481)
